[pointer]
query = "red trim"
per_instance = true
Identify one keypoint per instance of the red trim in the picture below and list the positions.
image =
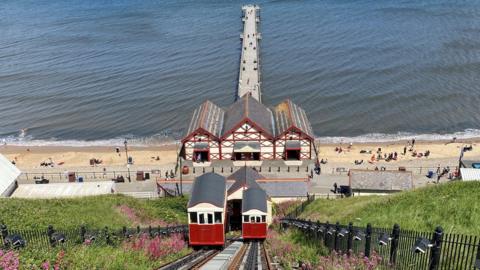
(250, 122)
(198, 131)
(294, 129)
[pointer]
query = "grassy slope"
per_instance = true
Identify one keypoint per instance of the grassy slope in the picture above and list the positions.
(454, 206)
(95, 212)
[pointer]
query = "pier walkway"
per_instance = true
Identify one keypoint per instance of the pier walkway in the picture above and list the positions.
(249, 76)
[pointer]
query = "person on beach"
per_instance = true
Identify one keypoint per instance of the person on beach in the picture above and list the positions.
(404, 150)
(413, 142)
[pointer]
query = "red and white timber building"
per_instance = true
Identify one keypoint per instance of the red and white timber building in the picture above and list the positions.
(248, 130)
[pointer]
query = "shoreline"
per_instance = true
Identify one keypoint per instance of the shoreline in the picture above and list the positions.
(72, 157)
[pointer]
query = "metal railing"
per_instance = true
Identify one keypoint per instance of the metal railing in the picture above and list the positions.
(50, 237)
(399, 249)
(91, 175)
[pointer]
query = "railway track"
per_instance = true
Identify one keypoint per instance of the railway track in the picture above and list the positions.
(194, 260)
(254, 257)
(237, 256)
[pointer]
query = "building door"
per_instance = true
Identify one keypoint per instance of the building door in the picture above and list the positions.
(292, 154)
(201, 155)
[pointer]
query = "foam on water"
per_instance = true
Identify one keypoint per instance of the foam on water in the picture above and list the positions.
(162, 140)
(402, 136)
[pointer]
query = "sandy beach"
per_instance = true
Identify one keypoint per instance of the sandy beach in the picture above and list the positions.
(28, 158)
(444, 153)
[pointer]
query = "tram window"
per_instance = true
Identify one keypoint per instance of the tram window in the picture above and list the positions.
(258, 219)
(210, 218)
(245, 218)
(264, 218)
(218, 217)
(202, 218)
(252, 219)
(193, 217)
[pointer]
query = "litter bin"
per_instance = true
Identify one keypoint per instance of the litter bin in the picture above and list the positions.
(71, 177)
(80, 179)
(140, 176)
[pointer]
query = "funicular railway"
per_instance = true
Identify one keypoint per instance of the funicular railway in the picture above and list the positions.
(209, 221)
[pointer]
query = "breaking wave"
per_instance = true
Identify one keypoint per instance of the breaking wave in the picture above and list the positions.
(402, 136)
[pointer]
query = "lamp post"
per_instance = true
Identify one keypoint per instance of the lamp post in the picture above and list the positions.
(128, 164)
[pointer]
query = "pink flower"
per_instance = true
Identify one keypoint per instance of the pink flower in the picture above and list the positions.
(9, 260)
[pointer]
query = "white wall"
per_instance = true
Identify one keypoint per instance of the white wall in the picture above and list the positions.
(8, 175)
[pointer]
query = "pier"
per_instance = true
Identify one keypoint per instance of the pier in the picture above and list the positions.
(249, 76)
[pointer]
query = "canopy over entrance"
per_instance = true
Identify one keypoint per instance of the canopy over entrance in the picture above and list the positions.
(246, 147)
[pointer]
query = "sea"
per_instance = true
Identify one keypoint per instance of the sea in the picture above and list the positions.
(93, 72)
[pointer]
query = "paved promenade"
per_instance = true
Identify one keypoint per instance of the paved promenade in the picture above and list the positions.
(249, 77)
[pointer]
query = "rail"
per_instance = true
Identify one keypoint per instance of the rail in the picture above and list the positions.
(403, 249)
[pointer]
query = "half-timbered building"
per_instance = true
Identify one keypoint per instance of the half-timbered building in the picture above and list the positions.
(248, 130)
(202, 142)
(294, 133)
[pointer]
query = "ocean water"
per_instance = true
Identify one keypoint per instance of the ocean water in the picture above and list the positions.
(94, 72)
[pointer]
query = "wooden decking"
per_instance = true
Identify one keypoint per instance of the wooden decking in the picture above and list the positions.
(249, 77)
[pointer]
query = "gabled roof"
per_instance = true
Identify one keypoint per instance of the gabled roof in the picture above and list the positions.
(254, 198)
(288, 115)
(208, 188)
(248, 108)
(244, 177)
(207, 117)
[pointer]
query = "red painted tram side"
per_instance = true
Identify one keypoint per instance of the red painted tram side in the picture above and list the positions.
(254, 227)
(206, 228)
(254, 214)
(206, 211)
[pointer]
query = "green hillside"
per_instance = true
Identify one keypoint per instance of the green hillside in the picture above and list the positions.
(113, 211)
(454, 206)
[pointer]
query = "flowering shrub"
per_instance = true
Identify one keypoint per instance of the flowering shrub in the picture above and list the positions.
(158, 247)
(291, 247)
(337, 261)
(136, 219)
(8, 260)
(46, 265)
(283, 208)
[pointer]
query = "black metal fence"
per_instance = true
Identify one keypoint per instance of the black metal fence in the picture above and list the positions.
(50, 237)
(399, 249)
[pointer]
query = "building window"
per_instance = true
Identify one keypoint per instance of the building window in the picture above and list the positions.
(264, 218)
(218, 217)
(201, 218)
(193, 217)
(258, 219)
(245, 219)
(210, 218)
(252, 219)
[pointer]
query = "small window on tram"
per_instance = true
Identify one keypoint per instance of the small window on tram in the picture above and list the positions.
(245, 218)
(258, 219)
(210, 218)
(264, 218)
(218, 217)
(252, 219)
(202, 218)
(193, 217)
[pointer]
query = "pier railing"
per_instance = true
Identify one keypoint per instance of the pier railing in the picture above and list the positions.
(398, 248)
